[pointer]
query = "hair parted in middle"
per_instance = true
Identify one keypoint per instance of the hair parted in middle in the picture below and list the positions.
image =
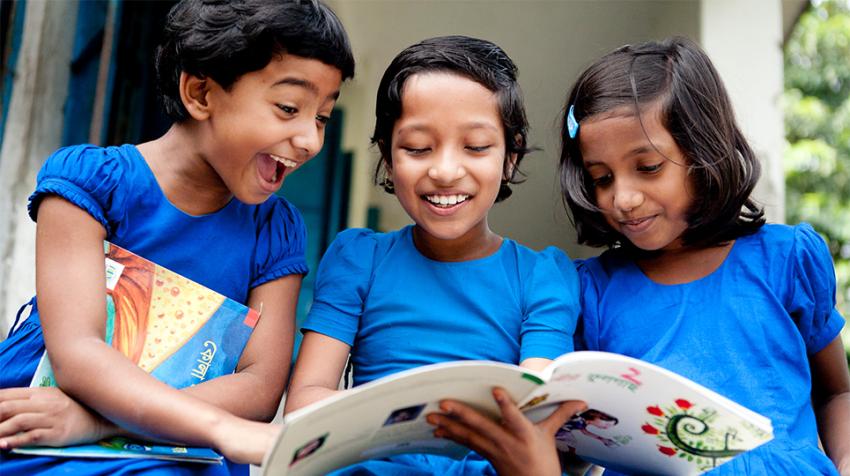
(478, 60)
(677, 76)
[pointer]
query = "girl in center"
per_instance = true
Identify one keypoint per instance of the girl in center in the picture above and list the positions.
(451, 130)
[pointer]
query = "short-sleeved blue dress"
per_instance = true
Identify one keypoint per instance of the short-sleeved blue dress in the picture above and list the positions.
(230, 251)
(746, 331)
(398, 310)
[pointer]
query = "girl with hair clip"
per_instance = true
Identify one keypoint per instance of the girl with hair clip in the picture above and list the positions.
(655, 168)
(451, 130)
(250, 85)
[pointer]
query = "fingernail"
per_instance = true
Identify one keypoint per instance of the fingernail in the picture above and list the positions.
(446, 408)
(439, 433)
(431, 418)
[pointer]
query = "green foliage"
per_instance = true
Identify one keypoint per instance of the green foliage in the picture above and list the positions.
(817, 125)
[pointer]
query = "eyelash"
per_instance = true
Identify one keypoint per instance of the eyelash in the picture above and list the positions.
(415, 151)
(607, 179)
(483, 148)
(287, 109)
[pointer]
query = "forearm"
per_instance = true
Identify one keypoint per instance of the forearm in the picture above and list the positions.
(228, 392)
(303, 396)
(89, 370)
(834, 420)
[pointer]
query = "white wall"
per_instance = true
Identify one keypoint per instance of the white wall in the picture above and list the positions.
(748, 55)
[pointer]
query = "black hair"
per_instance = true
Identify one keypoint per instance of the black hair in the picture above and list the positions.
(676, 76)
(478, 60)
(593, 414)
(224, 39)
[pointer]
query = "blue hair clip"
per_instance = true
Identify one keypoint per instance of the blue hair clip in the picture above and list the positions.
(572, 124)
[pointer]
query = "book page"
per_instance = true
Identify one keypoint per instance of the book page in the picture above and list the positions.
(644, 419)
(387, 416)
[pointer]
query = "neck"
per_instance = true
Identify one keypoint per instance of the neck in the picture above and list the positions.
(477, 243)
(183, 172)
(684, 264)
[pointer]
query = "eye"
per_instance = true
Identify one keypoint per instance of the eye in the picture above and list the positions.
(601, 180)
(650, 168)
(323, 120)
(289, 110)
(479, 148)
(415, 151)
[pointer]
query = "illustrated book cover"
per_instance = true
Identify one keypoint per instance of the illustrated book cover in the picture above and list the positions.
(641, 418)
(177, 330)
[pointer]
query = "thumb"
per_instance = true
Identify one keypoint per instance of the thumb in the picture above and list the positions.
(560, 416)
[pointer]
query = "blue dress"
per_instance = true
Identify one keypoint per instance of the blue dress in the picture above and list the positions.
(398, 310)
(746, 331)
(255, 244)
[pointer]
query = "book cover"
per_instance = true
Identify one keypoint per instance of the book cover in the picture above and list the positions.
(641, 419)
(177, 330)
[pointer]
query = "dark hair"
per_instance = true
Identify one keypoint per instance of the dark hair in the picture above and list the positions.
(480, 61)
(678, 76)
(224, 39)
(593, 414)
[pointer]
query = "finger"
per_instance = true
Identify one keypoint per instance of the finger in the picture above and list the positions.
(560, 416)
(515, 421)
(24, 422)
(16, 393)
(10, 408)
(470, 417)
(455, 430)
(38, 437)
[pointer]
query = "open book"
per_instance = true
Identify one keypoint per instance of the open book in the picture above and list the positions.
(177, 330)
(640, 419)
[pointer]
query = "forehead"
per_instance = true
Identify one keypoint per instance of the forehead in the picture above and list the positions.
(445, 96)
(290, 71)
(622, 131)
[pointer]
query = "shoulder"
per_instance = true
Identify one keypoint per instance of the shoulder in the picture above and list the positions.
(93, 178)
(279, 212)
(785, 242)
(549, 258)
(82, 160)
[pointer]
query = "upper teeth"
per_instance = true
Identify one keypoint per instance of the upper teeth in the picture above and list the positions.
(446, 199)
(286, 162)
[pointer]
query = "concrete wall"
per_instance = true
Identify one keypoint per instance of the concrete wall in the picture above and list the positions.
(33, 131)
(550, 41)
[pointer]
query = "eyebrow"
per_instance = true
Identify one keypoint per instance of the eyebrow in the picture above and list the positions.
(303, 83)
(466, 127)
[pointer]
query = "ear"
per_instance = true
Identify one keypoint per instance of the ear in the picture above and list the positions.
(510, 166)
(194, 92)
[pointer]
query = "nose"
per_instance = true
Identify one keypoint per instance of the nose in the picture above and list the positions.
(308, 138)
(446, 168)
(627, 198)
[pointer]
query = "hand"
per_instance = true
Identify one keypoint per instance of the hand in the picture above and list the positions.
(246, 441)
(516, 446)
(46, 416)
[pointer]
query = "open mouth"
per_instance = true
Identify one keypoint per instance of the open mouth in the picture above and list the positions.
(446, 201)
(272, 168)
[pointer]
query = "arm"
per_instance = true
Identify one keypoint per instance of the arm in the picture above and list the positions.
(264, 364)
(831, 399)
(318, 370)
(514, 447)
(69, 283)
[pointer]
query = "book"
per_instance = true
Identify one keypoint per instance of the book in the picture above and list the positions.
(641, 418)
(179, 331)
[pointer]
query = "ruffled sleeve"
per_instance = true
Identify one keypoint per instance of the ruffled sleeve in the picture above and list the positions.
(551, 306)
(281, 242)
(812, 299)
(342, 284)
(90, 177)
(587, 331)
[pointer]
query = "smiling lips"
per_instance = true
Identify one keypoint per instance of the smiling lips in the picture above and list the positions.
(637, 224)
(446, 201)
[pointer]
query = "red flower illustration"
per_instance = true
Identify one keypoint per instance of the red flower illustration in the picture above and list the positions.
(667, 451)
(647, 428)
(655, 411)
(684, 404)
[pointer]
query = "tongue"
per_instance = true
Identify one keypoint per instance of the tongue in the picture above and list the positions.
(267, 167)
